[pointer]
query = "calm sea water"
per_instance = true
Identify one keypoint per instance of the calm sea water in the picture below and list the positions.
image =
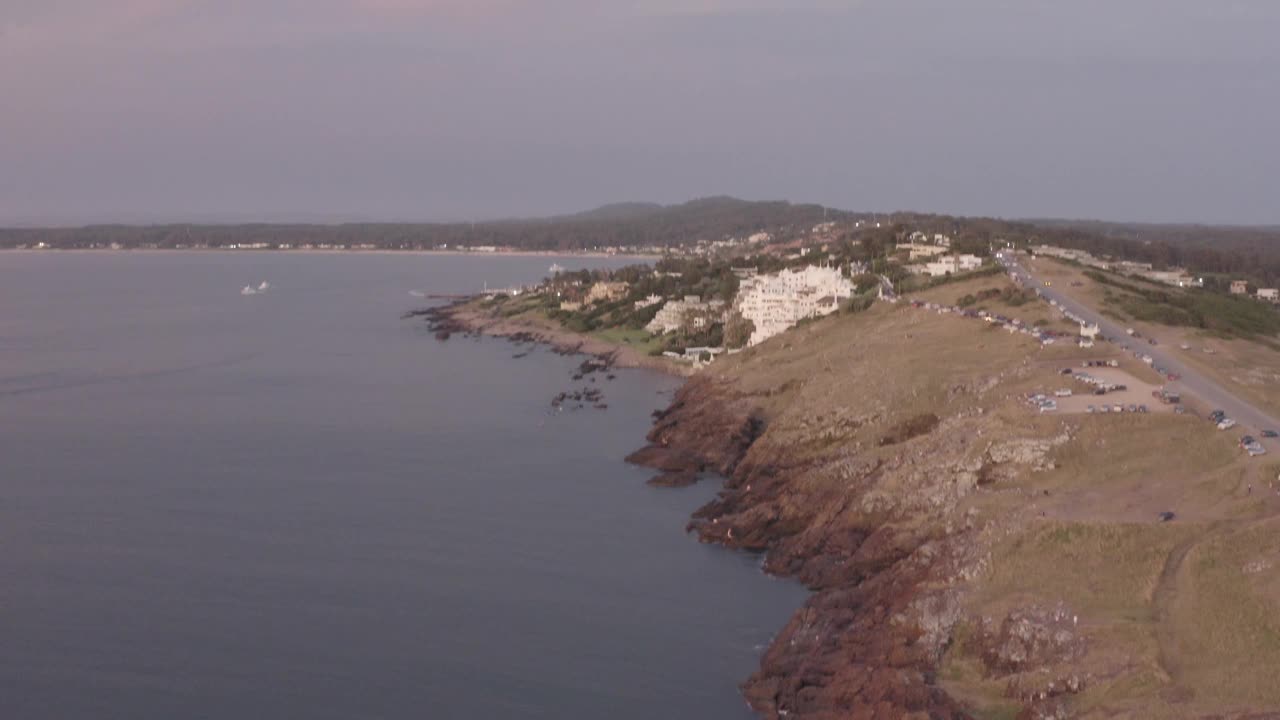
(297, 505)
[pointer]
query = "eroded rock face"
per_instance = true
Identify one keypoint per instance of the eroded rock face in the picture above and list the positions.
(1031, 637)
(702, 431)
(1032, 453)
(867, 642)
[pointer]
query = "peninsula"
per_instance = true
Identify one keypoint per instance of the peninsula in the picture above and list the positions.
(1003, 467)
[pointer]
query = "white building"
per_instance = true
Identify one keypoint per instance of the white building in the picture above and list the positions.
(952, 264)
(776, 302)
(672, 315)
(1269, 294)
(1177, 277)
(648, 302)
(918, 250)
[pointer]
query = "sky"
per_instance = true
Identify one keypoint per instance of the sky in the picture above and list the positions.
(328, 110)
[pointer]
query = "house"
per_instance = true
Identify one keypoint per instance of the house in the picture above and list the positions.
(952, 264)
(918, 250)
(606, 291)
(1239, 287)
(673, 315)
(1269, 294)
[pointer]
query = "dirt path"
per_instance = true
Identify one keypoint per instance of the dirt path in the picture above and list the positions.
(1162, 601)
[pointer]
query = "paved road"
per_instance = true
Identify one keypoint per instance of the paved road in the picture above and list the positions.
(1251, 418)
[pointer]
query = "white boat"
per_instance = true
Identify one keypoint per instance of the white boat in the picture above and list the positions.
(417, 293)
(248, 290)
(555, 269)
(265, 286)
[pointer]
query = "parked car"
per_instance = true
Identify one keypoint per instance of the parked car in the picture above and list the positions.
(1092, 409)
(1270, 434)
(1247, 440)
(1226, 424)
(1166, 516)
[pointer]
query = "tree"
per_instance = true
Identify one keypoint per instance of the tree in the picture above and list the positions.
(737, 330)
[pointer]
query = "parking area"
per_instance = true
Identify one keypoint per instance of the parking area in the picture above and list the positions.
(1123, 392)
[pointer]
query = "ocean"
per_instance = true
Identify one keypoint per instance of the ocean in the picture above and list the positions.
(297, 504)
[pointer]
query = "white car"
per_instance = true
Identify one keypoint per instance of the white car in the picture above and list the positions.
(1226, 424)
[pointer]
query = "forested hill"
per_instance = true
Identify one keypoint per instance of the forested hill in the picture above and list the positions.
(628, 225)
(1248, 251)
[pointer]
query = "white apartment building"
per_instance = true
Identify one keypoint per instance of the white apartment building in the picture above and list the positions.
(776, 302)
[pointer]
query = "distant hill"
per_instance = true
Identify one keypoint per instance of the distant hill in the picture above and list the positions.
(615, 212)
(1249, 252)
(627, 225)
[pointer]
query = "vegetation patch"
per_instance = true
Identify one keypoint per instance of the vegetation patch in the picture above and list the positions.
(915, 426)
(1225, 315)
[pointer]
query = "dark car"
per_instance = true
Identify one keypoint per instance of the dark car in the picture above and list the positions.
(1066, 371)
(1247, 440)
(1166, 516)
(1270, 434)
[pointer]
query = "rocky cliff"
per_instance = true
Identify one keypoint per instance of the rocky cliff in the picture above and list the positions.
(855, 492)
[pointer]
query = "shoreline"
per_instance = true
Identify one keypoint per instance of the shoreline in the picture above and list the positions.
(458, 317)
(335, 251)
(846, 652)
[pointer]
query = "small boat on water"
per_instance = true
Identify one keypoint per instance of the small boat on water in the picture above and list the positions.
(556, 269)
(248, 290)
(265, 286)
(417, 293)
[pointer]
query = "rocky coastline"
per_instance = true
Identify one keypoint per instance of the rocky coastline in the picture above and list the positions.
(886, 576)
(846, 653)
(463, 316)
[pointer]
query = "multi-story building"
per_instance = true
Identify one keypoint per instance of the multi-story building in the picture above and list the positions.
(776, 302)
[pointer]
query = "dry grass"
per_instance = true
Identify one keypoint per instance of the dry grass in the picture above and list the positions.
(842, 383)
(1228, 618)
